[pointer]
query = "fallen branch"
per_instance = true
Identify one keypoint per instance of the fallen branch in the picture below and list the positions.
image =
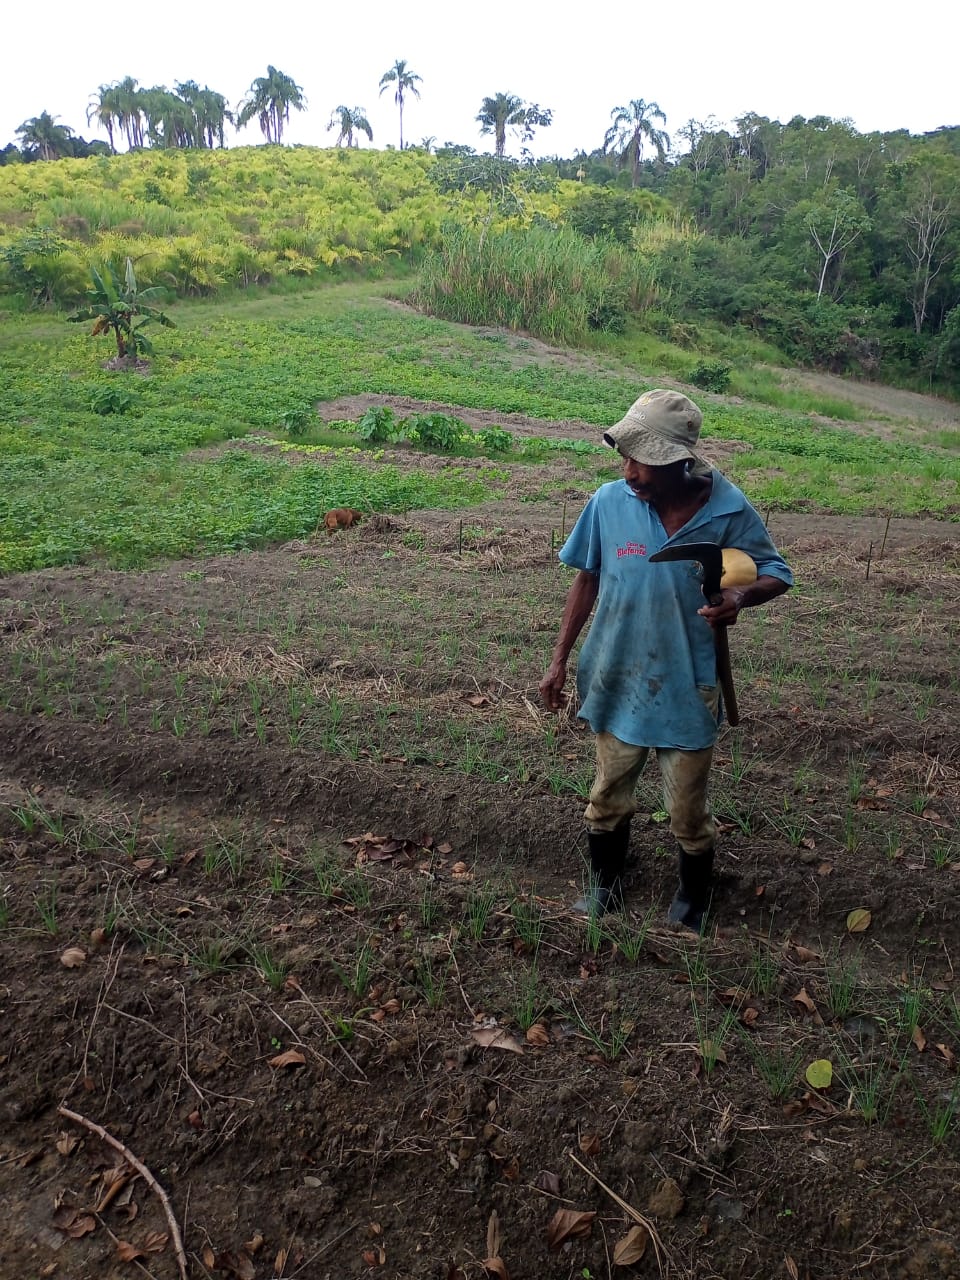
(629, 1210)
(144, 1173)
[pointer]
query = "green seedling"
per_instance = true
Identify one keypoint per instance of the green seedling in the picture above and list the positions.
(941, 1116)
(529, 922)
(327, 871)
(356, 978)
(612, 1034)
(25, 817)
(46, 905)
(529, 1003)
(213, 955)
(431, 982)
(274, 972)
(356, 889)
(480, 904)
(763, 970)
(431, 904)
(628, 935)
(871, 1082)
(841, 980)
(277, 875)
(777, 1067)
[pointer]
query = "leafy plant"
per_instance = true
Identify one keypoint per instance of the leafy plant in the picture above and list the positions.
(114, 307)
(297, 418)
(711, 375)
(437, 430)
(378, 424)
(110, 398)
(495, 439)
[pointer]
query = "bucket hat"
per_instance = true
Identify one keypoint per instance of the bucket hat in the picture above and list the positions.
(659, 428)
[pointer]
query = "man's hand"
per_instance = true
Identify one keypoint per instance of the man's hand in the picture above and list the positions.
(736, 598)
(725, 614)
(551, 686)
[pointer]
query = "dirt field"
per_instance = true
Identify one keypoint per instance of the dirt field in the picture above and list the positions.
(287, 846)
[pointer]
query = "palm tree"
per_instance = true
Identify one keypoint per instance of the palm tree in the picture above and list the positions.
(128, 110)
(170, 120)
(350, 120)
(209, 112)
(43, 135)
(496, 114)
(405, 81)
(105, 109)
(631, 126)
(270, 98)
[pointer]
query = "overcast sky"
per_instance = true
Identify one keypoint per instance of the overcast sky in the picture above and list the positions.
(882, 67)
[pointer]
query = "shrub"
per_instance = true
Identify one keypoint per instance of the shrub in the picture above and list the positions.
(378, 423)
(437, 430)
(110, 398)
(495, 440)
(711, 375)
(296, 419)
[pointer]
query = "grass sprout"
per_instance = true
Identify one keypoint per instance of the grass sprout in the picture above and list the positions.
(480, 904)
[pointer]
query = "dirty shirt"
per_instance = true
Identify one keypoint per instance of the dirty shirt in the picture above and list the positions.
(647, 672)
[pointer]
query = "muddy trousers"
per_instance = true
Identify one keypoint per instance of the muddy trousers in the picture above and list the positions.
(684, 773)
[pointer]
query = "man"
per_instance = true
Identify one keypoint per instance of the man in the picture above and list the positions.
(647, 673)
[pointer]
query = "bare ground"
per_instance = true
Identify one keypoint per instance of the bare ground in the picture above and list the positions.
(314, 840)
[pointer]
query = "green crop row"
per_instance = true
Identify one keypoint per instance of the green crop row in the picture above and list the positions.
(98, 464)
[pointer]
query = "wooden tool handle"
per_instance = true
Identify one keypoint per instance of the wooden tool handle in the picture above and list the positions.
(725, 676)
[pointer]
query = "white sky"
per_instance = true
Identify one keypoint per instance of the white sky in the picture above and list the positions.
(883, 67)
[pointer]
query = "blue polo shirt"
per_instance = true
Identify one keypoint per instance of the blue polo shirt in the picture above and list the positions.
(649, 660)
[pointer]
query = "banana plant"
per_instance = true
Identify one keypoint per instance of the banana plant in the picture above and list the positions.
(123, 310)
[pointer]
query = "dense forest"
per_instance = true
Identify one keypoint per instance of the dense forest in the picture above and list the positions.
(839, 248)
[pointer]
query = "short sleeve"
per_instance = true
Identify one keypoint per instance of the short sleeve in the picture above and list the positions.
(582, 549)
(749, 534)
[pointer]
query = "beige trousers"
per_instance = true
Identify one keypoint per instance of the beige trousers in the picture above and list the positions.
(684, 774)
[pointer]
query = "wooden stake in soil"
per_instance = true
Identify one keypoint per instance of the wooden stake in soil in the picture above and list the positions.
(869, 557)
(460, 541)
(563, 524)
(144, 1173)
(886, 530)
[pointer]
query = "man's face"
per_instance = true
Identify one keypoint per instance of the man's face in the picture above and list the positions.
(646, 482)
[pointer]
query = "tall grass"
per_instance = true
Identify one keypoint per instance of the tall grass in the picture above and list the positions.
(552, 283)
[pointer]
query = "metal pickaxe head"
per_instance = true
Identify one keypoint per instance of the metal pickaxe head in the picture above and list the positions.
(710, 557)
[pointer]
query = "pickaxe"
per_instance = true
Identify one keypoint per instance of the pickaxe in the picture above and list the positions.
(710, 557)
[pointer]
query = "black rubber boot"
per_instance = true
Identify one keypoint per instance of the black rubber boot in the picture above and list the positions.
(608, 854)
(692, 899)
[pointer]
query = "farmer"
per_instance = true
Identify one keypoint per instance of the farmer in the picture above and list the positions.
(647, 673)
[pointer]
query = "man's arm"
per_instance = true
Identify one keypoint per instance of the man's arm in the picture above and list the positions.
(580, 601)
(765, 588)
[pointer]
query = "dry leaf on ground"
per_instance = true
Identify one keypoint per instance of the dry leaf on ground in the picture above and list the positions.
(631, 1248)
(590, 1144)
(858, 920)
(547, 1181)
(289, 1058)
(569, 1224)
(496, 1038)
(496, 1267)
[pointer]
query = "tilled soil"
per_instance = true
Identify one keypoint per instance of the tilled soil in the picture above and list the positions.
(287, 850)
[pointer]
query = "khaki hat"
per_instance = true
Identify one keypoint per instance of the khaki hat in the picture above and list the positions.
(659, 428)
